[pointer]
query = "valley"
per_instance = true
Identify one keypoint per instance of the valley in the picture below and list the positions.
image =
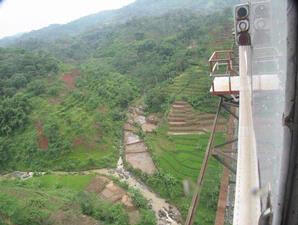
(107, 123)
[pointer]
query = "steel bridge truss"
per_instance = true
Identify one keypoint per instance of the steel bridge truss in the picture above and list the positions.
(225, 156)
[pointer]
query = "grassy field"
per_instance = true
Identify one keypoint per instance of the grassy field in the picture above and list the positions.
(71, 182)
(62, 200)
(181, 156)
(35, 201)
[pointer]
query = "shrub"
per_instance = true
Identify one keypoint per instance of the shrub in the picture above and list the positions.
(138, 199)
(5, 152)
(110, 214)
(53, 91)
(147, 218)
(37, 87)
(28, 215)
(13, 113)
(155, 100)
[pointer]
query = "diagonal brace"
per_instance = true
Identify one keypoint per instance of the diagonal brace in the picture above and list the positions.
(229, 111)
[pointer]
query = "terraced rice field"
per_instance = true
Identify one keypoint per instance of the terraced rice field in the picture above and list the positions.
(183, 120)
(179, 144)
(192, 89)
(181, 156)
(192, 83)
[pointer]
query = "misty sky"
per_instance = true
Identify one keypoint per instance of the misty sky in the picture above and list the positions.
(25, 15)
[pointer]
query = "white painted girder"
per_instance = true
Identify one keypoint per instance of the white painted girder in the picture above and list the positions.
(247, 207)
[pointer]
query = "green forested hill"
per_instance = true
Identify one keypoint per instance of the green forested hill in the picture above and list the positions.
(138, 9)
(56, 94)
(65, 91)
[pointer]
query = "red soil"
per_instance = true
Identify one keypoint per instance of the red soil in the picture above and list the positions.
(43, 142)
(70, 78)
(78, 141)
(81, 141)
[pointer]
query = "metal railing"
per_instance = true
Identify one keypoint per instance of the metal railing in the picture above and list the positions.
(221, 61)
(221, 65)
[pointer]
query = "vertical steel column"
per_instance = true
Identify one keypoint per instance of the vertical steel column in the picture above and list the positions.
(196, 197)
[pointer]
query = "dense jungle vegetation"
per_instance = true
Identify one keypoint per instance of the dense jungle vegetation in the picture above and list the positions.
(65, 91)
(137, 58)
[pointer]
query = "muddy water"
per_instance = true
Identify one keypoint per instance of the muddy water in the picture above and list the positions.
(166, 214)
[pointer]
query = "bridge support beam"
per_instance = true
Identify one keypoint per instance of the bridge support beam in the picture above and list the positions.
(221, 156)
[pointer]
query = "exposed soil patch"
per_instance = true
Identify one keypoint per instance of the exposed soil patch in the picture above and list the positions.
(112, 193)
(130, 138)
(136, 152)
(141, 160)
(148, 127)
(133, 216)
(136, 115)
(109, 191)
(129, 127)
(78, 141)
(70, 78)
(43, 142)
(135, 148)
(153, 119)
(97, 184)
(81, 141)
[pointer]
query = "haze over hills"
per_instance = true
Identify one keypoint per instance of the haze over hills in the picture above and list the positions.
(139, 8)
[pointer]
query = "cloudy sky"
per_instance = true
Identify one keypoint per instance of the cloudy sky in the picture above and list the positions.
(25, 15)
